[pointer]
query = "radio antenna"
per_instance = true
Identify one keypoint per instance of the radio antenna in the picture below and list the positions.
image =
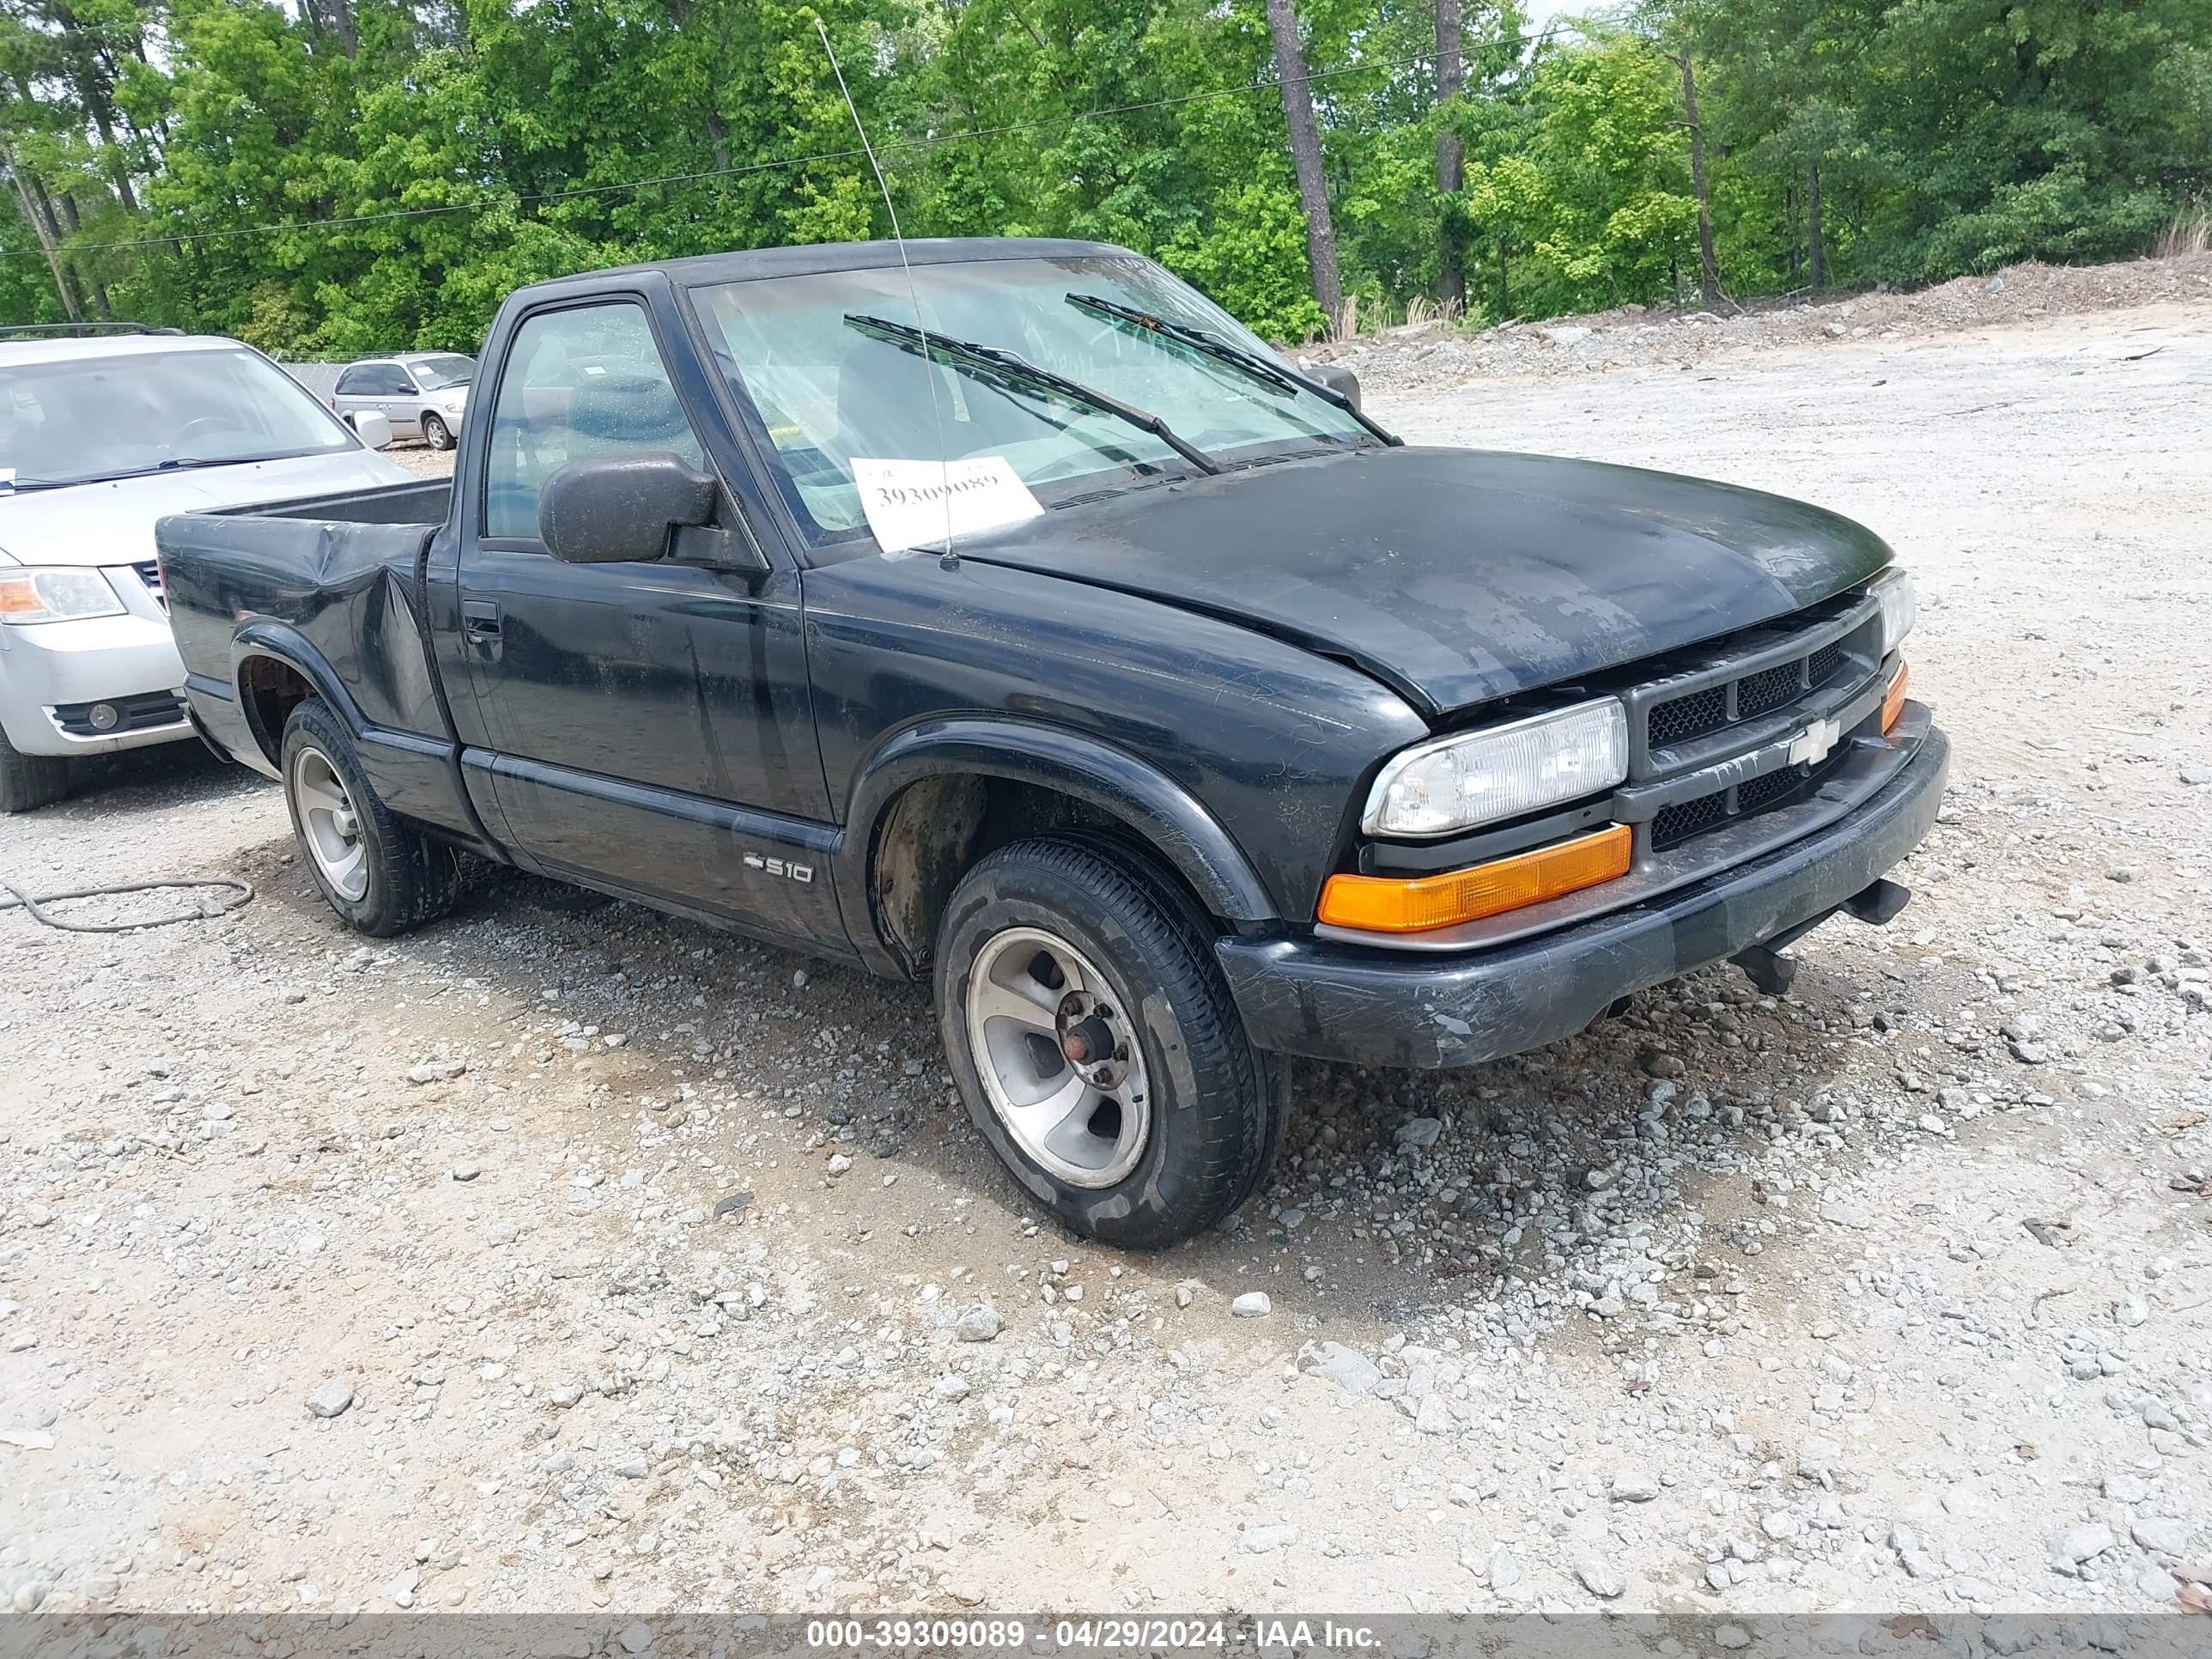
(912, 293)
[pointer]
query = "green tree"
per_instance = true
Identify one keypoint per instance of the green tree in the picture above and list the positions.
(332, 177)
(1587, 203)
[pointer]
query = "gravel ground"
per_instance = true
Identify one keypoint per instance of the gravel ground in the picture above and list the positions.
(567, 1257)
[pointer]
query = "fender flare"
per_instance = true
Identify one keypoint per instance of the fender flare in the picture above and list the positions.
(1147, 800)
(266, 637)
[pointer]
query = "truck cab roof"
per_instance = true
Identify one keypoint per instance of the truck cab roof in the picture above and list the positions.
(817, 258)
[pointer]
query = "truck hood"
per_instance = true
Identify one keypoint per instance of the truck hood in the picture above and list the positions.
(113, 523)
(1456, 576)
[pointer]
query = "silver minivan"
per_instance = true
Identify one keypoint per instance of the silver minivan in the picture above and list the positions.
(422, 393)
(103, 430)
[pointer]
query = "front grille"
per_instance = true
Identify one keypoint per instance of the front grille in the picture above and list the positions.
(1774, 787)
(1689, 717)
(1685, 819)
(143, 713)
(1766, 691)
(150, 574)
(1794, 659)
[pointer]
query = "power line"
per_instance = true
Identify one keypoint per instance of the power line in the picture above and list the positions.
(968, 135)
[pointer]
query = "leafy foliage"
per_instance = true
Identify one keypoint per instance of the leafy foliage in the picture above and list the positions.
(327, 178)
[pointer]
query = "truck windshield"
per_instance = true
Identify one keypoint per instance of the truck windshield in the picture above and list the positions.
(827, 391)
(83, 420)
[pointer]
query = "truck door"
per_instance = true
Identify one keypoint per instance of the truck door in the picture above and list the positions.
(650, 724)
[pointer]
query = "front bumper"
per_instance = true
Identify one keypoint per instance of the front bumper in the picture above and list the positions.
(52, 675)
(1335, 1001)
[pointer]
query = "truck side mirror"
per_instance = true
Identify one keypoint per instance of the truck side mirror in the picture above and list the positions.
(372, 428)
(1340, 380)
(616, 509)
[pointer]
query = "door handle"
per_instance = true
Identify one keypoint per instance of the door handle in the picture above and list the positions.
(480, 625)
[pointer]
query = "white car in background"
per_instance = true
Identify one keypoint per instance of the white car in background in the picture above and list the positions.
(102, 431)
(423, 393)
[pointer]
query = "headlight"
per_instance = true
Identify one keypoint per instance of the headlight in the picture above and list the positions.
(1478, 777)
(55, 595)
(1899, 605)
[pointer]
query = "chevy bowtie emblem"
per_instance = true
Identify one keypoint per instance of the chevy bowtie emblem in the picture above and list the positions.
(1811, 746)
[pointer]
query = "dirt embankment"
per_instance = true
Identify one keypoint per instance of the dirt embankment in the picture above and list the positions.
(1423, 355)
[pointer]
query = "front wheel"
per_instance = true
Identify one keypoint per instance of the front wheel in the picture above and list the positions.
(377, 872)
(30, 780)
(436, 434)
(1097, 1048)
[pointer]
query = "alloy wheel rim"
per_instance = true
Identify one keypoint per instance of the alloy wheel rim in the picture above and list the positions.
(1059, 1058)
(329, 825)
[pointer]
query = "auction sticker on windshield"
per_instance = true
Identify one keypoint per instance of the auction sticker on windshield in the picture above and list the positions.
(911, 503)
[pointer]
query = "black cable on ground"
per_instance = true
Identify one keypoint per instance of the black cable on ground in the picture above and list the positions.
(241, 894)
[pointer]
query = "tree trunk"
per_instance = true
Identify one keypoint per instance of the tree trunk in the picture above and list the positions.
(1709, 270)
(1305, 156)
(1816, 250)
(1451, 168)
(333, 20)
(1504, 290)
(335, 16)
(43, 228)
(95, 86)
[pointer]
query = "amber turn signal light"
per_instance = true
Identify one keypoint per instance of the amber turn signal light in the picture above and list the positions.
(1893, 701)
(1390, 905)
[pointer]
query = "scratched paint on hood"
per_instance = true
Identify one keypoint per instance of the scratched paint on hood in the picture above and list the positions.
(1455, 576)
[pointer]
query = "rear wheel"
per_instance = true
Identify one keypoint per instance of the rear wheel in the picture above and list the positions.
(30, 780)
(377, 871)
(1097, 1047)
(435, 433)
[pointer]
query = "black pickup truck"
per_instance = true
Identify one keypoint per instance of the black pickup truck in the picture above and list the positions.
(1008, 614)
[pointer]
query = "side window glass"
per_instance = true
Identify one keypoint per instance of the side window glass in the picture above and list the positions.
(353, 382)
(577, 384)
(392, 381)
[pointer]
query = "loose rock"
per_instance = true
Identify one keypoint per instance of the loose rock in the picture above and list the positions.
(331, 1397)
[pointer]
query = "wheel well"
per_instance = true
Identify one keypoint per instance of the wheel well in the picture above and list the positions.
(936, 830)
(270, 688)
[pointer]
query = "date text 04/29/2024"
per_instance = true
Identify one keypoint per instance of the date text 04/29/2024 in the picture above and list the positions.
(1081, 1634)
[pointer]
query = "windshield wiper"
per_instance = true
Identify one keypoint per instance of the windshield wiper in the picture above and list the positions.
(174, 464)
(1258, 368)
(101, 478)
(1221, 351)
(984, 361)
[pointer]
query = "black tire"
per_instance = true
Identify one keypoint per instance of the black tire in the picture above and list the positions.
(1215, 1101)
(410, 880)
(1117, 848)
(436, 434)
(29, 782)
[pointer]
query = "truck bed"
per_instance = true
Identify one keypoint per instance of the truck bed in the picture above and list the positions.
(424, 503)
(341, 575)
